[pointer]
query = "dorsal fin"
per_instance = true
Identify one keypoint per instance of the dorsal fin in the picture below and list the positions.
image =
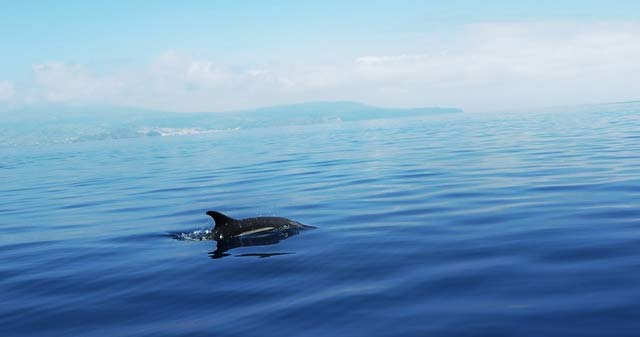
(219, 218)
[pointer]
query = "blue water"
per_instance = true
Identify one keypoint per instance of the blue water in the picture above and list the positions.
(510, 224)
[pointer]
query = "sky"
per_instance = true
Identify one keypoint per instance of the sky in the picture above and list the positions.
(227, 55)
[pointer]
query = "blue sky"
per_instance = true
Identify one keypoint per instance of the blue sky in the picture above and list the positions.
(219, 55)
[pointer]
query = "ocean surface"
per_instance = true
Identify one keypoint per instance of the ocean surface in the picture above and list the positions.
(503, 224)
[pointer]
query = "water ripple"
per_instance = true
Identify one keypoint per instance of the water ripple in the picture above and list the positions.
(510, 224)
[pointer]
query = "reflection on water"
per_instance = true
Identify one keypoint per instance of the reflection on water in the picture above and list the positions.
(222, 246)
(262, 239)
(262, 255)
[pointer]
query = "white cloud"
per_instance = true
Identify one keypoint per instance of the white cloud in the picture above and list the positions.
(64, 83)
(180, 82)
(483, 66)
(510, 64)
(490, 53)
(7, 91)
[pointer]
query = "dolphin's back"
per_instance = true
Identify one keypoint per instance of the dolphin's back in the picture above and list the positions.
(227, 227)
(269, 222)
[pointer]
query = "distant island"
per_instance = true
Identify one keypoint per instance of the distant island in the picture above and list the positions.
(308, 113)
(46, 124)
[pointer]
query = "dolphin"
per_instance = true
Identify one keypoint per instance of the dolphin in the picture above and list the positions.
(227, 228)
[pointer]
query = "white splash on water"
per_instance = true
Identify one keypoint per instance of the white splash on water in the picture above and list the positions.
(158, 131)
(197, 235)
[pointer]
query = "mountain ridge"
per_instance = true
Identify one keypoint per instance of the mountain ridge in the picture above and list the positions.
(55, 124)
